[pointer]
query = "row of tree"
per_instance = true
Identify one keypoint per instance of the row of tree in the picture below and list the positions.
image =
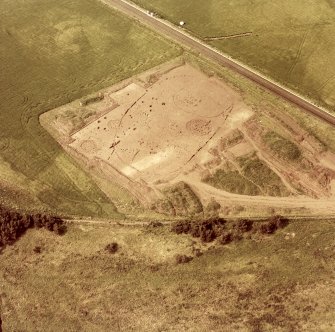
(13, 224)
(218, 228)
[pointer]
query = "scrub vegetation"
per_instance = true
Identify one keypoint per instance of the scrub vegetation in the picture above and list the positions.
(179, 200)
(253, 178)
(282, 146)
(269, 282)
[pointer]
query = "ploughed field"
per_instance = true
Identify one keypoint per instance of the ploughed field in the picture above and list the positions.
(174, 134)
(289, 41)
(52, 52)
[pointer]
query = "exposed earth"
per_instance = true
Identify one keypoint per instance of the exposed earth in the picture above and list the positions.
(174, 124)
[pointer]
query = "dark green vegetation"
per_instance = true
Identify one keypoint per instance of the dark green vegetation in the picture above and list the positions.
(254, 178)
(14, 224)
(226, 232)
(281, 146)
(290, 41)
(53, 52)
(281, 282)
(180, 201)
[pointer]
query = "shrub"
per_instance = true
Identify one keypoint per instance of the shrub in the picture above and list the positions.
(208, 230)
(197, 252)
(182, 259)
(181, 227)
(226, 238)
(59, 228)
(112, 248)
(207, 235)
(244, 225)
(195, 230)
(268, 228)
(280, 221)
(13, 224)
(37, 249)
(272, 224)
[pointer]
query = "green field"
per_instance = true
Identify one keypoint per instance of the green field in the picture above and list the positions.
(53, 52)
(283, 282)
(292, 41)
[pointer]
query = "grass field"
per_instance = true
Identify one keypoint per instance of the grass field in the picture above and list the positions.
(52, 52)
(283, 282)
(290, 41)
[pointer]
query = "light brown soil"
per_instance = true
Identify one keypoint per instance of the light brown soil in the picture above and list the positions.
(151, 133)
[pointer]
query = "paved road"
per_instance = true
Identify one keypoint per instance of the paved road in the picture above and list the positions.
(180, 36)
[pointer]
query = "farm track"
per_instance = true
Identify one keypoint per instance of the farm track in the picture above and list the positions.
(138, 223)
(185, 39)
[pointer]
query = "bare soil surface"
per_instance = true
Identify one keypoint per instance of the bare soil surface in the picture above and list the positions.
(174, 124)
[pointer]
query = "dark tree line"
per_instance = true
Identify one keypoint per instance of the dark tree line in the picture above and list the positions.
(218, 228)
(13, 224)
(207, 230)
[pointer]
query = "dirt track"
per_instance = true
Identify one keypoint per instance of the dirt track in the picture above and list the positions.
(138, 223)
(189, 41)
(316, 208)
